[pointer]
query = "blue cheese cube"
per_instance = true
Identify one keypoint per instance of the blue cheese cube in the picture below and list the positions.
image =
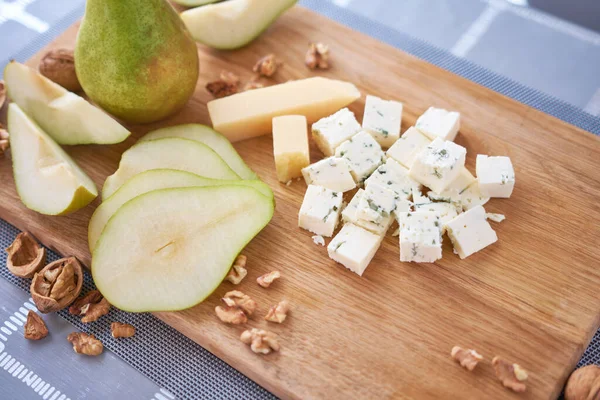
(332, 173)
(331, 131)
(439, 123)
(377, 204)
(354, 247)
(445, 212)
(470, 232)
(320, 210)
(363, 155)
(394, 177)
(380, 224)
(406, 148)
(438, 164)
(472, 197)
(418, 197)
(496, 176)
(420, 237)
(382, 119)
(453, 192)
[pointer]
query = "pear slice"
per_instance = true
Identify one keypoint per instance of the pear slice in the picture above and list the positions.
(153, 180)
(211, 138)
(233, 24)
(194, 3)
(48, 180)
(170, 153)
(63, 115)
(169, 249)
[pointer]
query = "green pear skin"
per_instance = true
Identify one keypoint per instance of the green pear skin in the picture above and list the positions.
(136, 59)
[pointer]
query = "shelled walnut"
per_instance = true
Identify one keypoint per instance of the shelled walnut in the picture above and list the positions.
(59, 66)
(120, 330)
(466, 358)
(278, 313)
(57, 285)
(235, 298)
(84, 343)
(260, 341)
(35, 327)
(92, 306)
(227, 84)
(231, 315)
(317, 56)
(4, 140)
(511, 375)
(266, 66)
(2, 93)
(238, 271)
(266, 279)
(25, 256)
(93, 296)
(584, 384)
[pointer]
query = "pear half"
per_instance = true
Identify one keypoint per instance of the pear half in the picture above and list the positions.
(66, 117)
(169, 249)
(233, 24)
(211, 138)
(153, 180)
(48, 180)
(170, 153)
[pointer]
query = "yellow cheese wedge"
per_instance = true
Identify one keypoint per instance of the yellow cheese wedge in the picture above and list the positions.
(290, 146)
(249, 114)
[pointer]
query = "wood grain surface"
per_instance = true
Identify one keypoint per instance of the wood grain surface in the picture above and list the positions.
(533, 297)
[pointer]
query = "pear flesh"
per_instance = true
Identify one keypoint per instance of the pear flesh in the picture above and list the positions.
(169, 249)
(47, 179)
(211, 138)
(194, 3)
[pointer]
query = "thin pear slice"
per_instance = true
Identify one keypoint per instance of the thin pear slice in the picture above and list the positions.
(211, 138)
(170, 153)
(48, 180)
(169, 249)
(66, 117)
(233, 24)
(194, 3)
(153, 180)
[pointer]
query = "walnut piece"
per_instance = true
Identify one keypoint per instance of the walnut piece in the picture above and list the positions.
(35, 327)
(2, 93)
(235, 298)
(230, 77)
(253, 85)
(93, 296)
(237, 272)
(584, 384)
(227, 85)
(466, 358)
(266, 279)
(120, 330)
(278, 313)
(260, 341)
(4, 139)
(317, 56)
(59, 66)
(231, 315)
(84, 343)
(512, 376)
(25, 256)
(266, 66)
(93, 311)
(57, 285)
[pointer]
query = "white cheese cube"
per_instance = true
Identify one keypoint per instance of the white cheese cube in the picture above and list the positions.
(420, 236)
(472, 197)
(332, 173)
(453, 192)
(470, 232)
(394, 177)
(439, 123)
(377, 204)
(408, 146)
(445, 212)
(496, 176)
(320, 210)
(438, 164)
(354, 247)
(331, 131)
(382, 119)
(363, 155)
(379, 226)
(418, 198)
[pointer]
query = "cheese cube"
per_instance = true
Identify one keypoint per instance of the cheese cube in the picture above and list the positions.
(331, 131)
(420, 236)
(417, 196)
(380, 227)
(382, 119)
(445, 212)
(438, 164)
(453, 192)
(363, 154)
(472, 197)
(470, 232)
(354, 247)
(394, 177)
(320, 210)
(496, 176)
(408, 146)
(377, 204)
(290, 146)
(439, 123)
(332, 173)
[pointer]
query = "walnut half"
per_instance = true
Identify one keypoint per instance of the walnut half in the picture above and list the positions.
(466, 358)
(266, 66)
(278, 313)
(317, 56)
(25, 256)
(57, 285)
(120, 330)
(584, 384)
(512, 376)
(84, 343)
(35, 327)
(260, 341)
(238, 271)
(266, 279)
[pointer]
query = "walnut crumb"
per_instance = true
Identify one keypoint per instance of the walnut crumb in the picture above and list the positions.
(35, 327)
(278, 313)
(238, 270)
(84, 343)
(221, 88)
(266, 66)
(266, 279)
(512, 376)
(466, 358)
(260, 341)
(235, 298)
(317, 56)
(120, 330)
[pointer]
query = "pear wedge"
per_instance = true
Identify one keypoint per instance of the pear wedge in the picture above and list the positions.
(170, 153)
(48, 180)
(66, 117)
(169, 249)
(233, 24)
(153, 180)
(211, 138)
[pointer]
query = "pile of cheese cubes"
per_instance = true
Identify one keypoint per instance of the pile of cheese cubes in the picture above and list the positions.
(421, 182)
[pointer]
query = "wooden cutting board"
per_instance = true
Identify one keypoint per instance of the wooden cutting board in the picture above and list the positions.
(534, 297)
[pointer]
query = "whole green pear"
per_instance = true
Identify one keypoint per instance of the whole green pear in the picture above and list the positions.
(136, 59)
